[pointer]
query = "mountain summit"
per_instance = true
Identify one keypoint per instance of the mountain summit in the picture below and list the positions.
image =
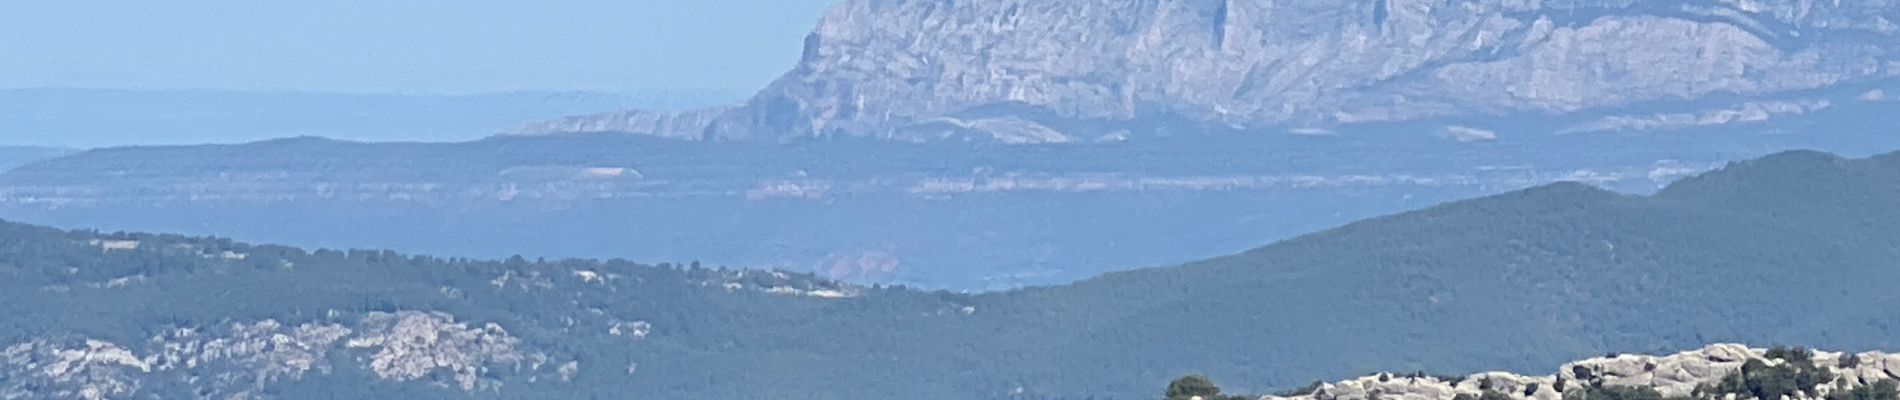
(1038, 71)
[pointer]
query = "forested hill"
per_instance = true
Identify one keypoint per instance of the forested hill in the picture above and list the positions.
(1796, 248)
(168, 316)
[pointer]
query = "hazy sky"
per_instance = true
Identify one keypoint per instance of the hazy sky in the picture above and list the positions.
(411, 46)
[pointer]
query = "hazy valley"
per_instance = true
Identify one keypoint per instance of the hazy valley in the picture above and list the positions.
(1567, 270)
(979, 154)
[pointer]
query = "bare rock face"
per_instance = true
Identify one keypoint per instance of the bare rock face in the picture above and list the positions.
(1671, 375)
(1042, 71)
(1674, 375)
(91, 370)
(413, 345)
(246, 359)
(1868, 367)
(227, 364)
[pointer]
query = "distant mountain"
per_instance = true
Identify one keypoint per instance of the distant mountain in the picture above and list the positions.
(101, 118)
(1024, 71)
(1793, 248)
(14, 156)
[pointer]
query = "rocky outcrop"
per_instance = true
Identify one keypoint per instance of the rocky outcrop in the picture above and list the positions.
(1671, 375)
(227, 363)
(413, 345)
(1038, 71)
(246, 359)
(89, 369)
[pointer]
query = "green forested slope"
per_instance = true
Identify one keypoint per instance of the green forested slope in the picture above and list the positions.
(1794, 248)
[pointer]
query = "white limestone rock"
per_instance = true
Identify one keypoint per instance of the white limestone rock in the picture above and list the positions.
(1672, 375)
(1035, 71)
(247, 357)
(411, 345)
(90, 369)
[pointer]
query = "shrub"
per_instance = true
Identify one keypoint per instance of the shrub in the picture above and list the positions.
(1582, 373)
(1850, 361)
(1614, 393)
(1759, 380)
(1882, 390)
(1191, 386)
(1790, 354)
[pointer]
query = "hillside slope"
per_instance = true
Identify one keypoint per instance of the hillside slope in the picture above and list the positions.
(1793, 248)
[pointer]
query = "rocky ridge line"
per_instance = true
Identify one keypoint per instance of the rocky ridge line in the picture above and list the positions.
(1027, 71)
(1674, 375)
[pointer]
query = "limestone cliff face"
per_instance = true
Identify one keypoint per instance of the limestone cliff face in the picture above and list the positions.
(1033, 70)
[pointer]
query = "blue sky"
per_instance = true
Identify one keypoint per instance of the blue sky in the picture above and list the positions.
(403, 46)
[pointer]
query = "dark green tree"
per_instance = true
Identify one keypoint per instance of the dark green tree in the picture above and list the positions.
(1614, 393)
(1882, 390)
(1191, 386)
(1795, 374)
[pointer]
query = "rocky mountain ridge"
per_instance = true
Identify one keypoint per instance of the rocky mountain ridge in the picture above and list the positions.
(1032, 71)
(1677, 375)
